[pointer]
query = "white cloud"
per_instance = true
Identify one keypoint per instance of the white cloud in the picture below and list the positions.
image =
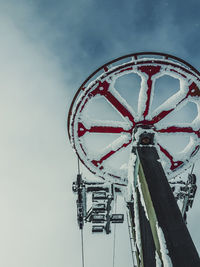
(36, 161)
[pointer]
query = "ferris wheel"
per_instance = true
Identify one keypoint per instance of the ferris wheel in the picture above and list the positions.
(135, 123)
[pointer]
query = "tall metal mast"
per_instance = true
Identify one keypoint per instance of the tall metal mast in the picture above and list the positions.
(162, 228)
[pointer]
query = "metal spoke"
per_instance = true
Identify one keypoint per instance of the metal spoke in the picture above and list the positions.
(119, 106)
(178, 129)
(174, 164)
(173, 102)
(111, 150)
(146, 89)
(122, 100)
(114, 99)
(103, 127)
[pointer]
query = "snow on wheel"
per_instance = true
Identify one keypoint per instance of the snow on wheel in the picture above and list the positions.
(154, 90)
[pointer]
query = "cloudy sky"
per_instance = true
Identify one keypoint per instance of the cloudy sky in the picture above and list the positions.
(47, 49)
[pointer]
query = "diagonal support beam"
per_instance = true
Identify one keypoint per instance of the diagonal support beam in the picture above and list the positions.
(178, 242)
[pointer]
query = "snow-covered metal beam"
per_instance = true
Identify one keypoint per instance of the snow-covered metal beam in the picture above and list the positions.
(175, 243)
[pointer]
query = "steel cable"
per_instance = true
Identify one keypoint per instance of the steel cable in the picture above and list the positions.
(130, 238)
(79, 166)
(82, 249)
(114, 238)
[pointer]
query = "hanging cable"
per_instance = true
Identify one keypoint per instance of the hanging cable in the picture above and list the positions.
(192, 168)
(130, 238)
(82, 241)
(78, 166)
(114, 238)
(82, 248)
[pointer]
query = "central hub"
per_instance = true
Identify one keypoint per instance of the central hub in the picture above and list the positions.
(146, 139)
(144, 135)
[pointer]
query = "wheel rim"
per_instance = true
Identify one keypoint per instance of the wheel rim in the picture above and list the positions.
(149, 67)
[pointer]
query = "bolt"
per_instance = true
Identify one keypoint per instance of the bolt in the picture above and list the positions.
(146, 140)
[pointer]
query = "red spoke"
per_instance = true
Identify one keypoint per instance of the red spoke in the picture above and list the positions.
(121, 108)
(150, 71)
(103, 89)
(162, 115)
(193, 91)
(98, 163)
(174, 164)
(176, 129)
(101, 129)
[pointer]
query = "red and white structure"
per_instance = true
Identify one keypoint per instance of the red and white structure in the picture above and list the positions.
(101, 84)
(123, 133)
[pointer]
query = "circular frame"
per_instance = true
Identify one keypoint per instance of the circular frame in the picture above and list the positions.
(147, 66)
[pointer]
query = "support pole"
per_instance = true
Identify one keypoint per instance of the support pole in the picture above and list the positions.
(147, 242)
(177, 247)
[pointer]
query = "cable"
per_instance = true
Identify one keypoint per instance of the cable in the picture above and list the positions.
(130, 238)
(114, 238)
(192, 168)
(78, 166)
(82, 248)
(114, 245)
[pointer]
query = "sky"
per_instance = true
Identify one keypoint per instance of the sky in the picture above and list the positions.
(48, 48)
